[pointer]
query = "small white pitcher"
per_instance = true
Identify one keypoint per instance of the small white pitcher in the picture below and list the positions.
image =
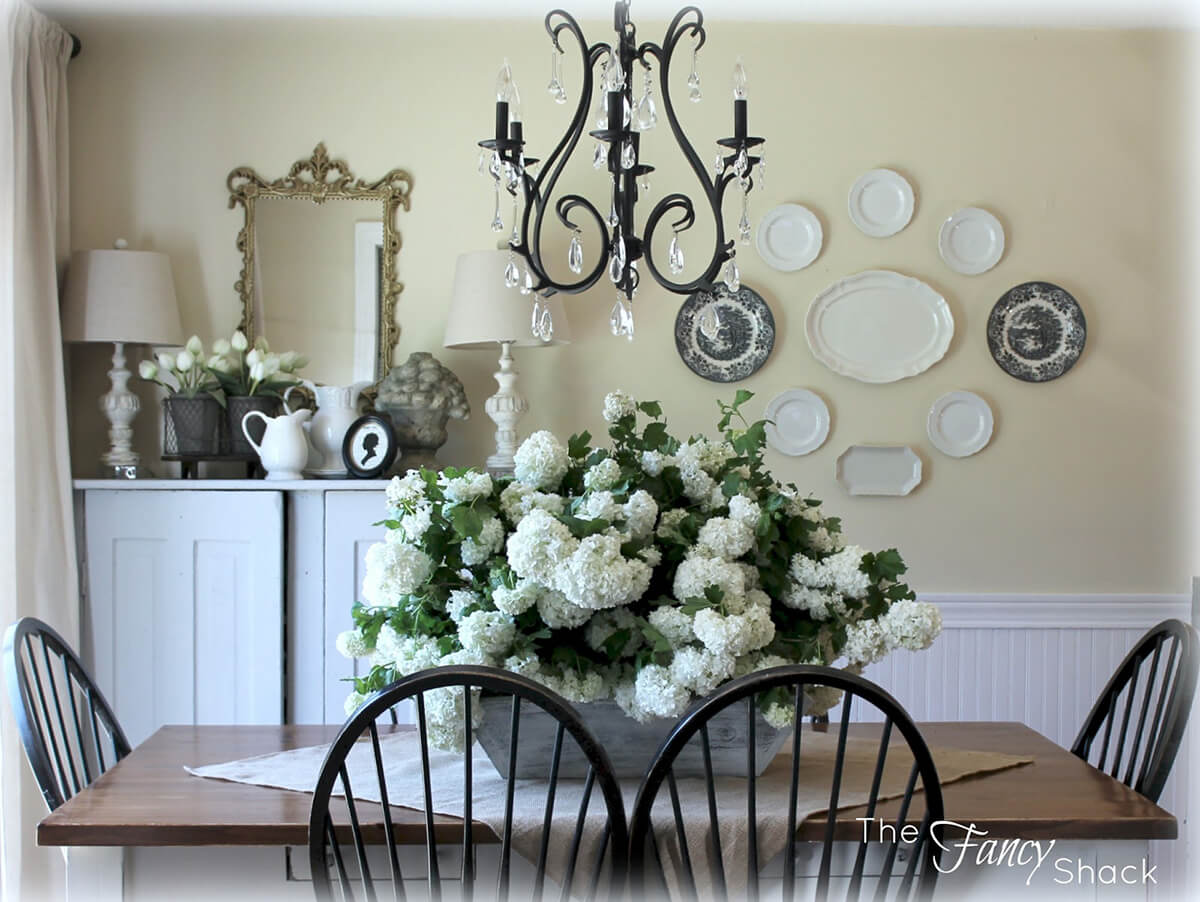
(284, 448)
(337, 409)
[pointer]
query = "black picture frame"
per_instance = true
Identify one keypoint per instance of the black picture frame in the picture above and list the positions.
(365, 459)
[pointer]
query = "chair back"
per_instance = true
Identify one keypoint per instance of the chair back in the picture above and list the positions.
(913, 863)
(70, 733)
(1141, 714)
(340, 834)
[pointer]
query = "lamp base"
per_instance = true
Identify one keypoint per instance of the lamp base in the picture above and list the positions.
(120, 406)
(505, 407)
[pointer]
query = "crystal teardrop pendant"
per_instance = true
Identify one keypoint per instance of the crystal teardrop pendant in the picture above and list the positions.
(732, 277)
(600, 155)
(693, 81)
(626, 112)
(546, 325)
(627, 317)
(494, 165)
(616, 73)
(512, 274)
(601, 112)
(575, 255)
(555, 87)
(744, 222)
(497, 220)
(710, 322)
(741, 164)
(628, 155)
(719, 165)
(535, 321)
(616, 264)
(616, 319)
(762, 167)
(483, 161)
(644, 183)
(614, 218)
(647, 112)
(675, 256)
(527, 282)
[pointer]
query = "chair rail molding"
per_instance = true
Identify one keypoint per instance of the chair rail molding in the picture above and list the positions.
(1012, 610)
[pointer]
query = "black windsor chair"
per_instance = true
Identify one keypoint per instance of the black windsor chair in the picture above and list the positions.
(64, 720)
(1142, 761)
(920, 872)
(340, 850)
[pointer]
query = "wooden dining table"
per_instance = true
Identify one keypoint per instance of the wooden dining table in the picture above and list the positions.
(148, 824)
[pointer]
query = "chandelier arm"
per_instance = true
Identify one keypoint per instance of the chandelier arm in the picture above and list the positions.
(563, 207)
(720, 252)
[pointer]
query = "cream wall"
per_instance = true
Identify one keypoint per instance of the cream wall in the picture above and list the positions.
(1075, 139)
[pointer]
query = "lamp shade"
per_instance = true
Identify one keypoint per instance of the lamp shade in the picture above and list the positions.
(484, 311)
(121, 295)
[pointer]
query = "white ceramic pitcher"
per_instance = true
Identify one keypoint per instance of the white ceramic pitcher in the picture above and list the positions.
(284, 448)
(337, 409)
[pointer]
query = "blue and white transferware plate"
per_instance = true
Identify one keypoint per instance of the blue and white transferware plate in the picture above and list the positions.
(1036, 331)
(741, 341)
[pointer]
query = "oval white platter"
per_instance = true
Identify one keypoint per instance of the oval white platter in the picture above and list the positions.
(789, 237)
(971, 241)
(960, 423)
(798, 422)
(881, 202)
(879, 326)
(879, 469)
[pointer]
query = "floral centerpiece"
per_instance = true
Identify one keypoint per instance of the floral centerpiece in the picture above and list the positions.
(649, 572)
(252, 377)
(192, 406)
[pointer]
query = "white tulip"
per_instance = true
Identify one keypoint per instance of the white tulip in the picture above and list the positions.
(254, 357)
(260, 344)
(147, 369)
(301, 362)
(195, 347)
(221, 347)
(185, 361)
(219, 364)
(166, 361)
(287, 361)
(271, 364)
(238, 341)
(258, 371)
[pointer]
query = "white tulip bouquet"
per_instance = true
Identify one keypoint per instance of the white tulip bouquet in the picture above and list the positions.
(649, 572)
(245, 371)
(184, 373)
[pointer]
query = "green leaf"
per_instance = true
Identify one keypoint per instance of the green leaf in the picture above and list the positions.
(578, 445)
(741, 397)
(655, 436)
(466, 521)
(714, 594)
(615, 644)
(650, 408)
(581, 529)
(732, 484)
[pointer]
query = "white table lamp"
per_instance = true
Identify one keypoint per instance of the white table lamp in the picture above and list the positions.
(485, 313)
(126, 297)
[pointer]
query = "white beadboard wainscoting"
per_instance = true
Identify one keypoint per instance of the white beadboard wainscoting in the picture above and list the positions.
(1042, 660)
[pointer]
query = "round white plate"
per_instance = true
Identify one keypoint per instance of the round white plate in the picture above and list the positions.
(960, 423)
(798, 422)
(789, 237)
(971, 241)
(881, 203)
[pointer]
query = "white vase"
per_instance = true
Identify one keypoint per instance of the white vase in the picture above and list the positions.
(337, 409)
(284, 448)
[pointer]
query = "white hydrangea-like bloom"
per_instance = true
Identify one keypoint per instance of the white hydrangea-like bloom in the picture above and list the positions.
(598, 576)
(490, 541)
(657, 694)
(702, 454)
(819, 604)
(820, 699)
(414, 525)
(745, 511)
(444, 710)
(353, 700)
(865, 642)
(821, 540)
(641, 512)
(517, 500)
(394, 569)
(405, 491)
(518, 600)
(725, 538)
(466, 488)
(911, 624)
(674, 624)
(651, 555)
(541, 462)
(558, 613)
(526, 665)
(407, 654)
(600, 506)
(844, 572)
(653, 462)
(698, 485)
(486, 632)
(575, 687)
(605, 623)
(750, 574)
(700, 670)
(735, 634)
(669, 522)
(351, 644)
(806, 572)
(603, 475)
(540, 546)
(697, 572)
(618, 404)
(458, 601)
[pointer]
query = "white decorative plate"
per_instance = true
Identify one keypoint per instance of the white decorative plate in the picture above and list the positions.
(960, 423)
(879, 326)
(798, 422)
(881, 202)
(971, 241)
(879, 469)
(789, 237)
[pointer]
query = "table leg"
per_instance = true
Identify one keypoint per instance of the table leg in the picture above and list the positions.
(95, 873)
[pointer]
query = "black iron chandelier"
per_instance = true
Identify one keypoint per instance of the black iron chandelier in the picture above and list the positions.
(621, 121)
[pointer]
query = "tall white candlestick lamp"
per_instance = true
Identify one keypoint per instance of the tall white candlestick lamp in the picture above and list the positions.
(485, 313)
(126, 297)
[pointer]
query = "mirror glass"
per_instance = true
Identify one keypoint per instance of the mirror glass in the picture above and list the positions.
(318, 277)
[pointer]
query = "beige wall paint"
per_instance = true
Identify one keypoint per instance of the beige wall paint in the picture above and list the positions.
(1075, 139)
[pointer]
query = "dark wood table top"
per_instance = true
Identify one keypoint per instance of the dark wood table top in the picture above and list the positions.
(148, 799)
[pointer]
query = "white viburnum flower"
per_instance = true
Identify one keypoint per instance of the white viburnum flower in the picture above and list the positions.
(600, 506)
(459, 601)
(725, 538)
(602, 476)
(394, 569)
(351, 644)
(598, 576)
(517, 600)
(487, 632)
(697, 572)
(735, 634)
(865, 642)
(653, 462)
(640, 512)
(353, 701)
(558, 613)
(700, 670)
(541, 461)
(911, 624)
(466, 488)
(540, 547)
(405, 491)
(745, 511)
(618, 404)
(674, 624)
(658, 694)
(489, 541)
(516, 500)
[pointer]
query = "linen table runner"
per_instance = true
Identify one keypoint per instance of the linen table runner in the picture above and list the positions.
(297, 770)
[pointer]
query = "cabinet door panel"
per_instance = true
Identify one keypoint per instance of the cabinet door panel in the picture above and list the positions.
(185, 605)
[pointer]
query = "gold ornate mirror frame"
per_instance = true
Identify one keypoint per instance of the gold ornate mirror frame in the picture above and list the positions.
(319, 179)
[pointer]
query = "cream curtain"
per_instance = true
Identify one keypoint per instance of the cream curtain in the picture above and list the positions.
(37, 541)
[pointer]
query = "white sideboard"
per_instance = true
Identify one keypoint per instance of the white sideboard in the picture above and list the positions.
(218, 601)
